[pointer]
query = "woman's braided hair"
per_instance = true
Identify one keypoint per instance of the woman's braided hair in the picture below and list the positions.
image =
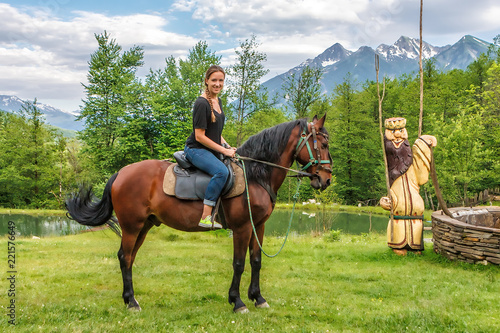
(212, 69)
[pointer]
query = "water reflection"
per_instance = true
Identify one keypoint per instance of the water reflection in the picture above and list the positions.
(319, 221)
(40, 226)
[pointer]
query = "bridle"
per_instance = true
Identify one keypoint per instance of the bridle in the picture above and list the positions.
(304, 141)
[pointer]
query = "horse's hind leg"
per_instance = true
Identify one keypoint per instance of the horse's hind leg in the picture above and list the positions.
(256, 264)
(131, 242)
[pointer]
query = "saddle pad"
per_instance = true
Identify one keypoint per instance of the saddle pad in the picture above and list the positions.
(170, 180)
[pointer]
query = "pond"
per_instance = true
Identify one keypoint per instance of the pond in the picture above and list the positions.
(303, 222)
(40, 226)
(308, 221)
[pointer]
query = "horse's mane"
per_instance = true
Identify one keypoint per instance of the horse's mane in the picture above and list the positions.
(267, 145)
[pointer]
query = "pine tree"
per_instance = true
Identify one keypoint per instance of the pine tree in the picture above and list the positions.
(355, 146)
(27, 170)
(109, 91)
(172, 92)
(245, 83)
(303, 90)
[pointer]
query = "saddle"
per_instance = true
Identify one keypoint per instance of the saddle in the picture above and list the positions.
(184, 181)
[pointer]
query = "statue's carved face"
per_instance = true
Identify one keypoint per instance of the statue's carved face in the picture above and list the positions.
(397, 136)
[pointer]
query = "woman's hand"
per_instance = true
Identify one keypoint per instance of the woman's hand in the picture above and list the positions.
(229, 151)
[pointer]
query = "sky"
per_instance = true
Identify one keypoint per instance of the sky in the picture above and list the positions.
(45, 45)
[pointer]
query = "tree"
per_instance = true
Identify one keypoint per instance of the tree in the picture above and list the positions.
(460, 154)
(304, 89)
(491, 108)
(109, 91)
(357, 158)
(28, 173)
(14, 185)
(490, 119)
(139, 134)
(171, 93)
(494, 49)
(245, 83)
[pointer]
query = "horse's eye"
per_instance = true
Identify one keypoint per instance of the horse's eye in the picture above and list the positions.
(324, 145)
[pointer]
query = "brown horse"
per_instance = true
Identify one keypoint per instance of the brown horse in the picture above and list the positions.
(136, 195)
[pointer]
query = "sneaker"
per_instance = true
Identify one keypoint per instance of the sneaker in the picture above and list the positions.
(207, 223)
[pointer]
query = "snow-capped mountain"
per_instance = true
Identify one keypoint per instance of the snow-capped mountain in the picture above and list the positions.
(409, 48)
(330, 56)
(402, 57)
(53, 116)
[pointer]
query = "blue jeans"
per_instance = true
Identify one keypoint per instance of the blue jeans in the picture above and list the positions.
(206, 161)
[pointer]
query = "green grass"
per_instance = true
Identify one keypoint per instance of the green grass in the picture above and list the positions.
(33, 212)
(317, 284)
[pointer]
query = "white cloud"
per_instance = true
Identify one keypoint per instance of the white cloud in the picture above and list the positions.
(43, 56)
(278, 16)
(183, 5)
(290, 31)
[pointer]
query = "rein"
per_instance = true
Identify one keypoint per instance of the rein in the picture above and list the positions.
(300, 173)
(295, 197)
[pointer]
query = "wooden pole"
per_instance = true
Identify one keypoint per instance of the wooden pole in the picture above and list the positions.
(441, 201)
(380, 100)
(421, 76)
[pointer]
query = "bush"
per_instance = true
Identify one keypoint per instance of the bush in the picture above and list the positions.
(333, 236)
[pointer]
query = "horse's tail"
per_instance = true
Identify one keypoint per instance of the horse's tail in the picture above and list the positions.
(83, 209)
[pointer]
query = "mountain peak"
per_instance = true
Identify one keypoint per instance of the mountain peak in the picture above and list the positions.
(462, 53)
(52, 115)
(473, 40)
(329, 57)
(396, 59)
(407, 48)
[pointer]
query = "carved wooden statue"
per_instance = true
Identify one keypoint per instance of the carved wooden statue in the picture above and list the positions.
(408, 168)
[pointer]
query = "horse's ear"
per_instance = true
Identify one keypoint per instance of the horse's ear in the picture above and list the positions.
(321, 122)
(315, 118)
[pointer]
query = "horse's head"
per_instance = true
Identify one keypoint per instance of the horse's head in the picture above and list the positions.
(313, 153)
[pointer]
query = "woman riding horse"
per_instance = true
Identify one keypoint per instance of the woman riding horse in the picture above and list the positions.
(206, 142)
(135, 194)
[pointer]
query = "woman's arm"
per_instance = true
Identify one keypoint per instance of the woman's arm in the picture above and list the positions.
(200, 136)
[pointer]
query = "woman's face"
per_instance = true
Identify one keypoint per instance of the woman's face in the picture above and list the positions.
(215, 83)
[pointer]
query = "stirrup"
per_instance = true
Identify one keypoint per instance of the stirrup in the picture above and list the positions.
(209, 224)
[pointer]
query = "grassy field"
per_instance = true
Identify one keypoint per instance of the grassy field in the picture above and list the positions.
(355, 284)
(33, 212)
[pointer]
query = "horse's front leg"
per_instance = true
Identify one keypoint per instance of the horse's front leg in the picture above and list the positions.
(240, 245)
(256, 263)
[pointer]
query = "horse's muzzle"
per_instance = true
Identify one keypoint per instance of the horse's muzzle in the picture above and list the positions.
(320, 183)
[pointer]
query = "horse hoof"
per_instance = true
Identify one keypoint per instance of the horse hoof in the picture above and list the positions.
(243, 309)
(262, 305)
(134, 306)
